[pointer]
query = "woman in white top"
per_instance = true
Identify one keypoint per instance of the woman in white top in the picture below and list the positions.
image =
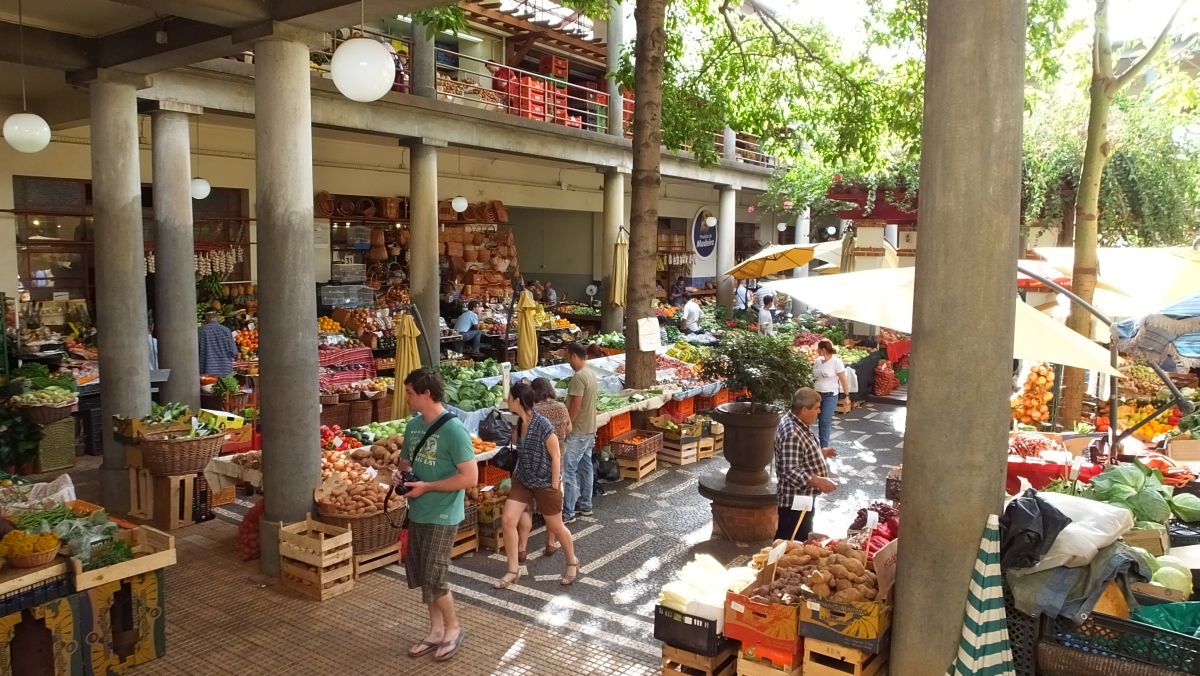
(828, 374)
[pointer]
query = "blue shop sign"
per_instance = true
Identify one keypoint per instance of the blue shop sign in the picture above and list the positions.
(704, 233)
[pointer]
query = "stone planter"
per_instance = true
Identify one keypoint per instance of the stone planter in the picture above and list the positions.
(749, 442)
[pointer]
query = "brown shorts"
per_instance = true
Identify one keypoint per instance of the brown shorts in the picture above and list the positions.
(549, 500)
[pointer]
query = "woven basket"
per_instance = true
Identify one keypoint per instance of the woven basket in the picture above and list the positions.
(44, 415)
(350, 396)
(374, 394)
(329, 399)
(31, 560)
(56, 450)
(370, 532)
(471, 517)
(171, 457)
(337, 414)
(360, 413)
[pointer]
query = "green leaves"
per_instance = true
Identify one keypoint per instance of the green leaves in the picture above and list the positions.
(766, 365)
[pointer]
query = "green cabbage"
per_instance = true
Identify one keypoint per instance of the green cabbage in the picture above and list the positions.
(1186, 507)
(1129, 476)
(1171, 578)
(1168, 561)
(1150, 505)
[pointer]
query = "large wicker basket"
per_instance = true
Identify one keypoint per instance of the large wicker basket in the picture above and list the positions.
(349, 396)
(329, 399)
(31, 560)
(360, 412)
(44, 415)
(164, 456)
(370, 532)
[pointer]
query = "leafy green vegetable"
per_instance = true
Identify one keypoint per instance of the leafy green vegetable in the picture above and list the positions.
(1186, 506)
(1150, 505)
(117, 551)
(1136, 488)
(1105, 484)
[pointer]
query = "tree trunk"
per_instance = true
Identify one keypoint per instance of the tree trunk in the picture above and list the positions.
(1087, 208)
(646, 183)
(1066, 234)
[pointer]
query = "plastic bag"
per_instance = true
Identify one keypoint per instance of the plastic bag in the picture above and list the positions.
(495, 428)
(606, 467)
(1094, 526)
(1179, 617)
(1028, 530)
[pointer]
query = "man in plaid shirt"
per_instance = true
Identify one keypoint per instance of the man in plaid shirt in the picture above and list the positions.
(800, 465)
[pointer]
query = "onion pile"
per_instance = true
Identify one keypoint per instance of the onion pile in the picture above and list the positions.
(1032, 404)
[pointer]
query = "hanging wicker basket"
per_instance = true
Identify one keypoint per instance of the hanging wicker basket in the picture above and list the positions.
(164, 456)
(349, 396)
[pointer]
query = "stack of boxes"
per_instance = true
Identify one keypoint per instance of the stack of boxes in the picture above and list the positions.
(556, 69)
(531, 98)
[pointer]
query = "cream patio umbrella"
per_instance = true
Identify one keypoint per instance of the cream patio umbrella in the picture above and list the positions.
(620, 271)
(407, 361)
(1133, 280)
(772, 259)
(527, 348)
(884, 297)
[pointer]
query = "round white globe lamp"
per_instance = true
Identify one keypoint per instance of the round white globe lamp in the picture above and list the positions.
(26, 132)
(781, 226)
(832, 230)
(459, 204)
(711, 221)
(363, 69)
(200, 188)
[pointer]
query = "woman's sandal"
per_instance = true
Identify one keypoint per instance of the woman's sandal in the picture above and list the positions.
(423, 648)
(551, 551)
(504, 582)
(567, 580)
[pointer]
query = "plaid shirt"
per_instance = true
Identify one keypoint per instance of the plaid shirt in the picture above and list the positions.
(797, 459)
(217, 350)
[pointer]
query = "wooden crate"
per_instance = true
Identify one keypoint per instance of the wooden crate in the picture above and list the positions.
(174, 501)
(141, 493)
(822, 658)
(225, 496)
(385, 556)
(680, 453)
(636, 468)
(316, 559)
(492, 542)
(747, 667)
(718, 442)
(466, 541)
(706, 449)
(677, 661)
(152, 549)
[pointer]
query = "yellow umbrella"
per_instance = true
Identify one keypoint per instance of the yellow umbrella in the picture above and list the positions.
(620, 271)
(407, 361)
(772, 259)
(527, 349)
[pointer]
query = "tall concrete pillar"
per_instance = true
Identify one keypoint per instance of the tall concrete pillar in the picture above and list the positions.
(614, 39)
(612, 317)
(726, 238)
(729, 145)
(174, 278)
(970, 205)
(422, 61)
(288, 320)
(424, 280)
(803, 226)
(120, 272)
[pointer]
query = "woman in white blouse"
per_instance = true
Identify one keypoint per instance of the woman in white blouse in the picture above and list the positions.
(829, 375)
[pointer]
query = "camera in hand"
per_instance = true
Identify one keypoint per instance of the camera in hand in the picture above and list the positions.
(406, 478)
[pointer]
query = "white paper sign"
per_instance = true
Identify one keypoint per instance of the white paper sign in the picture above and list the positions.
(62, 295)
(649, 339)
(872, 519)
(1076, 465)
(737, 607)
(337, 442)
(802, 503)
(777, 553)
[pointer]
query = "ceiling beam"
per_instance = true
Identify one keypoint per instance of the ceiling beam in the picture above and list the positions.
(137, 49)
(46, 49)
(516, 24)
(228, 13)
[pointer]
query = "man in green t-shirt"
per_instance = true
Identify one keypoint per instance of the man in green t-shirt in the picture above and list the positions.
(444, 464)
(578, 473)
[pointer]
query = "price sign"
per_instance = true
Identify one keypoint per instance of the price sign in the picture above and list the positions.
(1076, 465)
(777, 553)
(872, 519)
(802, 503)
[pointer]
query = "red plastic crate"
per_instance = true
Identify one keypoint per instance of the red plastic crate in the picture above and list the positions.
(686, 407)
(603, 436)
(619, 424)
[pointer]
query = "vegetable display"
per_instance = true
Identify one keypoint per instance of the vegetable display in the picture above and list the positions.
(358, 496)
(488, 368)
(50, 396)
(614, 340)
(1032, 404)
(1031, 444)
(471, 395)
(109, 554)
(372, 432)
(21, 543)
(160, 414)
(836, 573)
(384, 453)
(1136, 488)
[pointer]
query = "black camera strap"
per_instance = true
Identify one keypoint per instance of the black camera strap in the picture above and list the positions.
(430, 431)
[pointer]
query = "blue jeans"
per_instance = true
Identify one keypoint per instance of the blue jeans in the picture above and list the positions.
(472, 337)
(578, 474)
(829, 402)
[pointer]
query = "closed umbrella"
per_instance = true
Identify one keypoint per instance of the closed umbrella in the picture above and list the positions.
(848, 244)
(407, 361)
(620, 271)
(527, 349)
(772, 259)
(984, 649)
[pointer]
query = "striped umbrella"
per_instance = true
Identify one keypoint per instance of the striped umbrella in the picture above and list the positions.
(983, 649)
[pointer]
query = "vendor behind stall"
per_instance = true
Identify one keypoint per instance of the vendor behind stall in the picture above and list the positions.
(468, 326)
(690, 317)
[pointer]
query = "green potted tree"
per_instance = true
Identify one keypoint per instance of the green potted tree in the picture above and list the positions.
(771, 370)
(18, 442)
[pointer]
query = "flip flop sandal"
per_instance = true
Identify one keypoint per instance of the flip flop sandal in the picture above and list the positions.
(426, 647)
(456, 644)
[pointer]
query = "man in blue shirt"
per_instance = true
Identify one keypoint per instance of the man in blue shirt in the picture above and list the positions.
(217, 347)
(468, 326)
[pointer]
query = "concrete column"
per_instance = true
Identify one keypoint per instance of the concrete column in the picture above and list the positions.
(613, 317)
(729, 145)
(615, 38)
(803, 226)
(726, 236)
(424, 280)
(120, 274)
(422, 60)
(174, 278)
(288, 320)
(906, 246)
(970, 210)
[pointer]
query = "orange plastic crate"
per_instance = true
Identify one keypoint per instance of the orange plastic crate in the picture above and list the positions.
(686, 407)
(619, 424)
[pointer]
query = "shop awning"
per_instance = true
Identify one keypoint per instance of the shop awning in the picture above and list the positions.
(771, 260)
(1133, 281)
(885, 298)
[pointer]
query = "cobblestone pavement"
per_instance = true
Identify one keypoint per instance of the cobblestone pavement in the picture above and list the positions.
(223, 617)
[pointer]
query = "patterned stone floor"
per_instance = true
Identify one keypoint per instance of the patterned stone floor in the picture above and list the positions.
(223, 617)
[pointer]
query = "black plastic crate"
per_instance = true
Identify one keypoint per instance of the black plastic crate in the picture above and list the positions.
(1127, 640)
(34, 595)
(202, 501)
(1184, 534)
(1023, 634)
(688, 632)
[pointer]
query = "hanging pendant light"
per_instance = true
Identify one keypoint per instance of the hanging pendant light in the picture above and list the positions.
(200, 187)
(25, 131)
(363, 69)
(459, 204)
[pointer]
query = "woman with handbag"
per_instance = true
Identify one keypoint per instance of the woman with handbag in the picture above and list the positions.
(547, 404)
(537, 479)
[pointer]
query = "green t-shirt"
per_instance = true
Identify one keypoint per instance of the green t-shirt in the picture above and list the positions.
(584, 385)
(438, 459)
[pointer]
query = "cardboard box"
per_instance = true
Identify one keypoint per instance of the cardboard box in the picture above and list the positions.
(221, 419)
(1185, 450)
(772, 625)
(864, 625)
(1154, 540)
(134, 428)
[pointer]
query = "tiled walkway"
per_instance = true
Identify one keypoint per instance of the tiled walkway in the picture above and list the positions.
(221, 619)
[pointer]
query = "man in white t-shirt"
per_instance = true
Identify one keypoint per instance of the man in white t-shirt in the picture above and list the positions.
(691, 314)
(741, 298)
(766, 322)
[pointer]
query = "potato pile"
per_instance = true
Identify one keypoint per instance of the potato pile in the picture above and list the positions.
(249, 459)
(838, 574)
(360, 497)
(384, 453)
